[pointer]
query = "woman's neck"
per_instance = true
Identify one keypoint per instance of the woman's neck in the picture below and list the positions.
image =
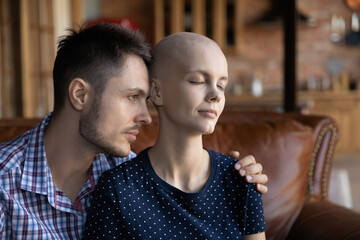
(180, 160)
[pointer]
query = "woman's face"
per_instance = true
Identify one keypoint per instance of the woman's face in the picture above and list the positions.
(193, 88)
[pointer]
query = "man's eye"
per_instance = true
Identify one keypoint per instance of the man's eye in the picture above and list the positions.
(133, 96)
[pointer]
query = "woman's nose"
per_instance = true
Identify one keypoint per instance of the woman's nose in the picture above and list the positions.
(214, 96)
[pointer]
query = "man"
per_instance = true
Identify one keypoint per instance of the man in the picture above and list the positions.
(48, 174)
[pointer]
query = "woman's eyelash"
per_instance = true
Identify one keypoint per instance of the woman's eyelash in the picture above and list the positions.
(195, 82)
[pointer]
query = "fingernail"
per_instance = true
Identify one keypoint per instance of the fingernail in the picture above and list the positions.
(242, 172)
(237, 166)
(249, 178)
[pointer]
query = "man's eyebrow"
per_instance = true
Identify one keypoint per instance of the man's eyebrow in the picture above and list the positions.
(139, 90)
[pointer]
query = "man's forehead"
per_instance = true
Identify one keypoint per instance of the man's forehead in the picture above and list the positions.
(132, 84)
(124, 81)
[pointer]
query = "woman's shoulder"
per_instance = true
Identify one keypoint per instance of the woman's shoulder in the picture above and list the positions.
(221, 158)
(225, 166)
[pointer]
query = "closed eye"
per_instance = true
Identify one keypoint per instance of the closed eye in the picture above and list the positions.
(196, 82)
(222, 83)
(221, 87)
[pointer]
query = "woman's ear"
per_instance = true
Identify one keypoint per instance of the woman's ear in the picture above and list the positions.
(79, 93)
(155, 93)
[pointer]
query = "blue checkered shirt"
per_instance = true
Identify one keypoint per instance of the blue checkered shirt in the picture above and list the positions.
(31, 207)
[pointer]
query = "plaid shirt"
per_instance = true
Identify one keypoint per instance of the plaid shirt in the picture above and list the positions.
(31, 207)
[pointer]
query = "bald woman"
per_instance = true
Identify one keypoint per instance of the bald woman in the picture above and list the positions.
(177, 189)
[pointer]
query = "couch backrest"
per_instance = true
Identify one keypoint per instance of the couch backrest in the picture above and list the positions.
(287, 145)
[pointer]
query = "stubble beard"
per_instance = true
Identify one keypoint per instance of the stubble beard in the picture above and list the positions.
(90, 129)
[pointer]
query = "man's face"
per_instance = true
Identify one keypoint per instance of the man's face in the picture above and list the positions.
(193, 91)
(113, 121)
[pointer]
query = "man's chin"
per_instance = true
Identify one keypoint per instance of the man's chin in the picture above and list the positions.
(118, 152)
(123, 154)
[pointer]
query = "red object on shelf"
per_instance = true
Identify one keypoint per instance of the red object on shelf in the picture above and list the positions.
(124, 22)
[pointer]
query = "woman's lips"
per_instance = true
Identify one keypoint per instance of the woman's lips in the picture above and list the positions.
(209, 113)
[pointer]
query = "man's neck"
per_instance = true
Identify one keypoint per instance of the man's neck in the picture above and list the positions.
(68, 157)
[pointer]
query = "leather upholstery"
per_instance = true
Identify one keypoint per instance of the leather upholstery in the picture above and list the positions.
(324, 220)
(296, 152)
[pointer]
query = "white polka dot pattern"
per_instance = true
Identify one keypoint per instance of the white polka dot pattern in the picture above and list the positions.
(132, 202)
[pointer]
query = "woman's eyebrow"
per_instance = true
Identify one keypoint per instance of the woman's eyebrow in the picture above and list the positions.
(206, 74)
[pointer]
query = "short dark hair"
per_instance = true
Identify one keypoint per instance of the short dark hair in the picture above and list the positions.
(94, 54)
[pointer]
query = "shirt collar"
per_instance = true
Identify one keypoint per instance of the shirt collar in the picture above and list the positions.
(36, 176)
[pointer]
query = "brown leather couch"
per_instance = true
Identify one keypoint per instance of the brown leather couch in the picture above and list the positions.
(296, 152)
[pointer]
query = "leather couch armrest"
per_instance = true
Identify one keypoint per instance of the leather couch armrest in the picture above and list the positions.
(321, 219)
(326, 136)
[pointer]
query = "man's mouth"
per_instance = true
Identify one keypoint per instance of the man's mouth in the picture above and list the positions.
(131, 135)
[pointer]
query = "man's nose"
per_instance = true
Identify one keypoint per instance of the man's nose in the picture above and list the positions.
(143, 116)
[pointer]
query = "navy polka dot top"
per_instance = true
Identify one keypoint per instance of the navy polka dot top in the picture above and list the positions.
(132, 202)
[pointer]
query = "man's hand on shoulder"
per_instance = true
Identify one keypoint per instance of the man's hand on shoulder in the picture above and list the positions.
(248, 167)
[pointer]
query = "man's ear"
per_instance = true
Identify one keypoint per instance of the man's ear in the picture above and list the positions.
(79, 93)
(155, 93)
